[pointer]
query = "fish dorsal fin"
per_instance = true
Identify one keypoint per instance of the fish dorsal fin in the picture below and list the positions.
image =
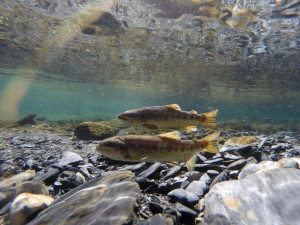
(193, 112)
(173, 106)
(175, 135)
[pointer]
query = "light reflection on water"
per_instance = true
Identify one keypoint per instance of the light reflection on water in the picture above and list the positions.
(245, 62)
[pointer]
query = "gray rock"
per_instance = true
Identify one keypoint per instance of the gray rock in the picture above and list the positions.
(221, 177)
(186, 212)
(253, 168)
(70, 158)
(157, 220)
(206, 178)
(185, 197)
(269, 197)
(31, 187)
(108, 200)
(27, 205)
(17, 179)
(150, 172)
(239, 164)
(197, 187)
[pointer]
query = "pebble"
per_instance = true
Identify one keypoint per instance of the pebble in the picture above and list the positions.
(197, 187)
(183, 196)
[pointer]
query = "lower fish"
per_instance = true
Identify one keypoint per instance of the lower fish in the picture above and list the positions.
(167, 117)
(167, 147)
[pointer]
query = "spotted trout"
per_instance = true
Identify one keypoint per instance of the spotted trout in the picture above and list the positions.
(167, 147)
(167, 117)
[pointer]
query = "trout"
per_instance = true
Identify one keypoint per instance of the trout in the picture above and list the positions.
(167, 147)
(167, 117)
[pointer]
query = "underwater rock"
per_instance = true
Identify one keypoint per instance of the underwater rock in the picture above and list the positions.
(269, 197)
(27, 119)
(187, 215)
(197, 187)
(254, 168)
(48, 178)
(241, 141)
(17, 179)
(239, 164)
(109, 199)
(70, 158)
(32, 188)
(26, 206)
(94, 130)
(183, 196)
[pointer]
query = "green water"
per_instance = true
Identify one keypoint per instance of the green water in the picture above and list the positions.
(63, 100)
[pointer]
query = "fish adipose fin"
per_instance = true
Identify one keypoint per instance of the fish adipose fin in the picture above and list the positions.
(173, 106)
(190, 164)
(149, 126)
(175, 135)
(211, 142)
(193, 112)
(210, 119)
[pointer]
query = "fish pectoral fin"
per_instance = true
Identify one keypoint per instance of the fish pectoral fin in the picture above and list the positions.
(191, 128)
(149, 126)
(193, 112)
(190, 164)
(173, 106)
(175, 135)
(144, 158)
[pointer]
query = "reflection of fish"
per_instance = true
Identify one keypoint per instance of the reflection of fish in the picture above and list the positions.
(167, 117)
(163, 148)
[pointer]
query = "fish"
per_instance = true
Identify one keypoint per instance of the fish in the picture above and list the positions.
(165, 147)
(167, 117)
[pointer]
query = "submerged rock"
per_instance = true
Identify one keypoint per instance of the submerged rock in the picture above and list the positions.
(27, 119)
(269, 197)
(94, 130)
(26, 206)
(109, 199)
(241, 141)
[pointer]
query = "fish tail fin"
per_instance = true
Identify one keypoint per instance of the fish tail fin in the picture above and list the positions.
(209, 119)
(210, 142)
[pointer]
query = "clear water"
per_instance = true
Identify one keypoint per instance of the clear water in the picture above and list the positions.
(140, 54)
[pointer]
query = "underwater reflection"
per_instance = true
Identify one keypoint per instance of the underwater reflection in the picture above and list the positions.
(55, 41)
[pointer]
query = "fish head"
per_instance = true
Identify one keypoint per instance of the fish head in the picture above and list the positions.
(114, 148)
(131, 117)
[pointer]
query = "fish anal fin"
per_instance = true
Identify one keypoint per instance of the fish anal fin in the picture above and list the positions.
(173, 106)
(191, 128)
(175, 135)
(190, 164)
(193, 112)
(210, 142)
(149, 126)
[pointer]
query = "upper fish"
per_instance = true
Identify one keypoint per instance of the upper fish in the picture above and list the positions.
(167, 147)
(167, 117)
